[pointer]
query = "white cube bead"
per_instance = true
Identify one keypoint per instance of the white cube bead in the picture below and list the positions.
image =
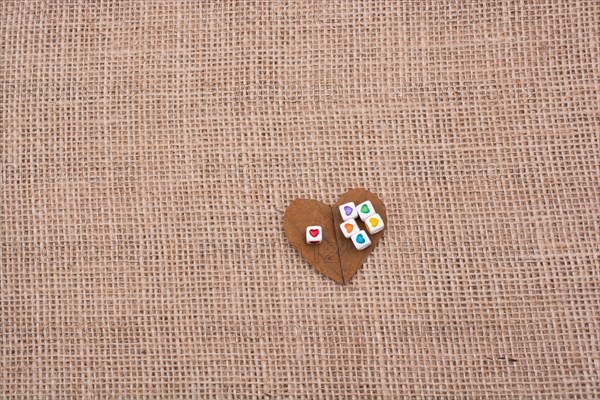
(361, 240)
(349, 228)
(374, 224)
(348, 211)
(365, 210)
(314, 234)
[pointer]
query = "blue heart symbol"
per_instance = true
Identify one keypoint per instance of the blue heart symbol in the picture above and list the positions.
(360, 239)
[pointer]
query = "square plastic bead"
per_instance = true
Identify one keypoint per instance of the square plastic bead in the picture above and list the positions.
(365, 210)
(348, 211)
(374, 224)
(314, 234)
(361, 240)
(349, 228)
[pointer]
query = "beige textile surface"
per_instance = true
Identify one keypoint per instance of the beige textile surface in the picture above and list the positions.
(149, 150)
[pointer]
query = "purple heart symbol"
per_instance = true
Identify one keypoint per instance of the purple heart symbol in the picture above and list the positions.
(348, 210)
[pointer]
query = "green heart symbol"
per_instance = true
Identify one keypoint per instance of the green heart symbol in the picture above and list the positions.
(364, 209)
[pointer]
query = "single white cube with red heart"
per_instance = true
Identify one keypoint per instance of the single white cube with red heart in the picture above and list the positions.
(314, 234)
(348, 211)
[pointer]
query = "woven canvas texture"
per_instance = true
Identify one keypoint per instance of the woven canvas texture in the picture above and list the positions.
(149, 150)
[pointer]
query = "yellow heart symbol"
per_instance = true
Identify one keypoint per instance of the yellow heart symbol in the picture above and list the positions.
(374, 222)
(349, 227)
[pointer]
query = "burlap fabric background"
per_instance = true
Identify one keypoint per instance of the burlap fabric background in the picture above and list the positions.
(149, 150)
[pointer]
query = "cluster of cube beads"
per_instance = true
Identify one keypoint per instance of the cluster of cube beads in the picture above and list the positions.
(366, 212)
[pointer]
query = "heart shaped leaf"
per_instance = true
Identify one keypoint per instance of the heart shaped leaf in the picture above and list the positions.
(335, 257)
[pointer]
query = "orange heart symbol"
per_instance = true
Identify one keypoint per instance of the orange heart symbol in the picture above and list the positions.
(349, 227)
(374, 222)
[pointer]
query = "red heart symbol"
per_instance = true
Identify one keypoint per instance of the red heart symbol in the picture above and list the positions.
(314, 232)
